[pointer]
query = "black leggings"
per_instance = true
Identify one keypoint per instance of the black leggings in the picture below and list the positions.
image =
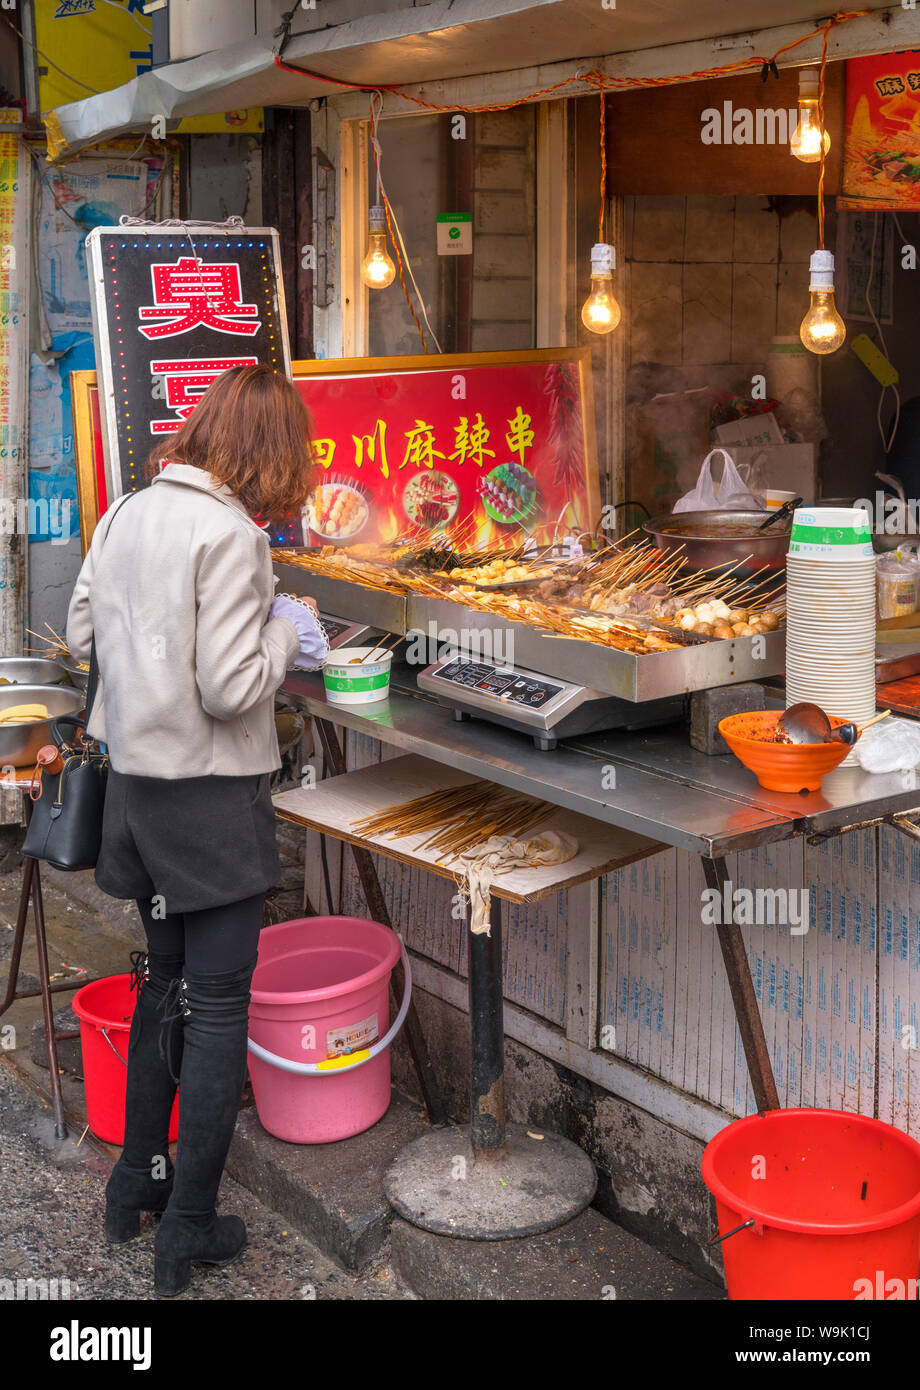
(210, 942)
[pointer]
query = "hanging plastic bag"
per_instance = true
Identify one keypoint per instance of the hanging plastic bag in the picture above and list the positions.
(729, 494)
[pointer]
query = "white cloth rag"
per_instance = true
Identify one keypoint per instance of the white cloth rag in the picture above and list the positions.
(500, 855)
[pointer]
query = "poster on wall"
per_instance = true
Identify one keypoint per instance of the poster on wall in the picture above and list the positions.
(73, 199)
(483, 444)
(172, 310)
(881, 167)
(97, 45)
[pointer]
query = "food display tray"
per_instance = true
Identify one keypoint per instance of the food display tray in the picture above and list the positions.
(629, 675)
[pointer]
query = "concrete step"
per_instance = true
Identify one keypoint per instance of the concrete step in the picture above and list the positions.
(589, 1258)
(331, 1193)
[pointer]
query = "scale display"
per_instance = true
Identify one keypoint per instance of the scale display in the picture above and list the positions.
(506, 686)
(341, 633)
(334, 628)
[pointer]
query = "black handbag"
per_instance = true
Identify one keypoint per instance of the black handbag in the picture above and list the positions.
(65, 826)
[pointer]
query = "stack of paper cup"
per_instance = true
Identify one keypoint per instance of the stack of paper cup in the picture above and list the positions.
(830, 612)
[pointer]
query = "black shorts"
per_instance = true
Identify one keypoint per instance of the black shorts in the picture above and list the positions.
(198, 841)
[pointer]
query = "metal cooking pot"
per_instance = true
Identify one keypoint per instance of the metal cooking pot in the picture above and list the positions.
(19, 743)
(710, 540)
(32, 670)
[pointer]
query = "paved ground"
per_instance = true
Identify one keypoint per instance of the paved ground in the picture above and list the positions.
(51, 1227)
(52, 1199)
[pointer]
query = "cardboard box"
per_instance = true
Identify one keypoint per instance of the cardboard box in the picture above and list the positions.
(789, 467)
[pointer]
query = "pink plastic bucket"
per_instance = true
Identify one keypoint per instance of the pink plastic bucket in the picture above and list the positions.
(319, 995)
(105, 1009)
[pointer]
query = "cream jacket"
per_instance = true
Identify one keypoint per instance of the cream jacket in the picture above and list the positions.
(189, 660)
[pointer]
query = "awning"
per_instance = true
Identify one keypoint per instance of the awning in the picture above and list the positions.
(436, 42)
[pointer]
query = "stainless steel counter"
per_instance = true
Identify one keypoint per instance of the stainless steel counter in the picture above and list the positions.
(661, 787)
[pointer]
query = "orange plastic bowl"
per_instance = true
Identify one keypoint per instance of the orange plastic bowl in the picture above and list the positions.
(781, 767)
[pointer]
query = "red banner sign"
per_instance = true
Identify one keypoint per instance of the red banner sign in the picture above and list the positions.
(489, 443)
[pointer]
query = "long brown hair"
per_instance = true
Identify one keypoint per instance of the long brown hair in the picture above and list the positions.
(251, 430)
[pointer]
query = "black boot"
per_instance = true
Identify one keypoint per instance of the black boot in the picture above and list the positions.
(142, 1178)
(216, 1022)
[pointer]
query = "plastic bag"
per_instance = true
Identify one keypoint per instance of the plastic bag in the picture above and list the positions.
(729, 494)
(891, 746)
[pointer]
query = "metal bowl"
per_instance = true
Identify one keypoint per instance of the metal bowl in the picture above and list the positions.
(78, 679)
(711, 543)
(32, 670)
(19, 743)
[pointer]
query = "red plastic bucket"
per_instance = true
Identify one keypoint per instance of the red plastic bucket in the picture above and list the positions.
(105, 1009)
(834, 1205)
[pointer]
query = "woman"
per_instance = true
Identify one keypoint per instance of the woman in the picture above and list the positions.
(191, 649)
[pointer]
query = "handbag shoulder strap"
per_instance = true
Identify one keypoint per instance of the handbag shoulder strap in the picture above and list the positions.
(92, 680)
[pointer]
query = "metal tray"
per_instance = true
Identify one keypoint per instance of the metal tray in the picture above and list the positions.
(698, 665)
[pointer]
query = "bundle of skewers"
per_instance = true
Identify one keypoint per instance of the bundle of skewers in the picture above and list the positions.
(459, 818)
(392, 567)
(55, 649)
(371, 566)
(646, 582)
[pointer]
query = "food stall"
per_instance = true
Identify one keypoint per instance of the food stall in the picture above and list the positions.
(536, 639)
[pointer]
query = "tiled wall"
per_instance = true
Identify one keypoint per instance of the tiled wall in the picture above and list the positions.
(711, 280)
(504, 154)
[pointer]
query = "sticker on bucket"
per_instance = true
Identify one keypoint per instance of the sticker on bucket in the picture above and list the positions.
(354, 1037)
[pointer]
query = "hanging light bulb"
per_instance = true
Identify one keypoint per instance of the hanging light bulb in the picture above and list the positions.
(377, 268)
(601, 312)
(808, 138)
(822, 330)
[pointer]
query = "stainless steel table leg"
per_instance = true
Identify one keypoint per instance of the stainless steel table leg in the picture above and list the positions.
(744, 996)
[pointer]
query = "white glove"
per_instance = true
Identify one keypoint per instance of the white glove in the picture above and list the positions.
(314, 645)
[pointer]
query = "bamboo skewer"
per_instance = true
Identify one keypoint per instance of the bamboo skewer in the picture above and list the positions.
(459, 818)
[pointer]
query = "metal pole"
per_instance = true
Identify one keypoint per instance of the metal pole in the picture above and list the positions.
(19, 933)
(744, 997)
(14, 388)
(487, 1038)
(60, 1128)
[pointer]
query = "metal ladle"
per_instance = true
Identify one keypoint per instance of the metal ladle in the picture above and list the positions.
(807, 723)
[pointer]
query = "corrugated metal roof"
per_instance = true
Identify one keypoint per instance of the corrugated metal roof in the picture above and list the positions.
(446, 39)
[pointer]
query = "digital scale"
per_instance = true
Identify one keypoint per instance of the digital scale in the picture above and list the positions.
(545, 707)
(342, 633)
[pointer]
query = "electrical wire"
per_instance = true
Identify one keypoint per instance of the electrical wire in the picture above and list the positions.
(602, 217)
(823, 142)
(140, 24)
(75, 80)
(593, 78)
(396, 236)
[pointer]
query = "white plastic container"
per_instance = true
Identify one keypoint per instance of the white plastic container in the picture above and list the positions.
(351, 679)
